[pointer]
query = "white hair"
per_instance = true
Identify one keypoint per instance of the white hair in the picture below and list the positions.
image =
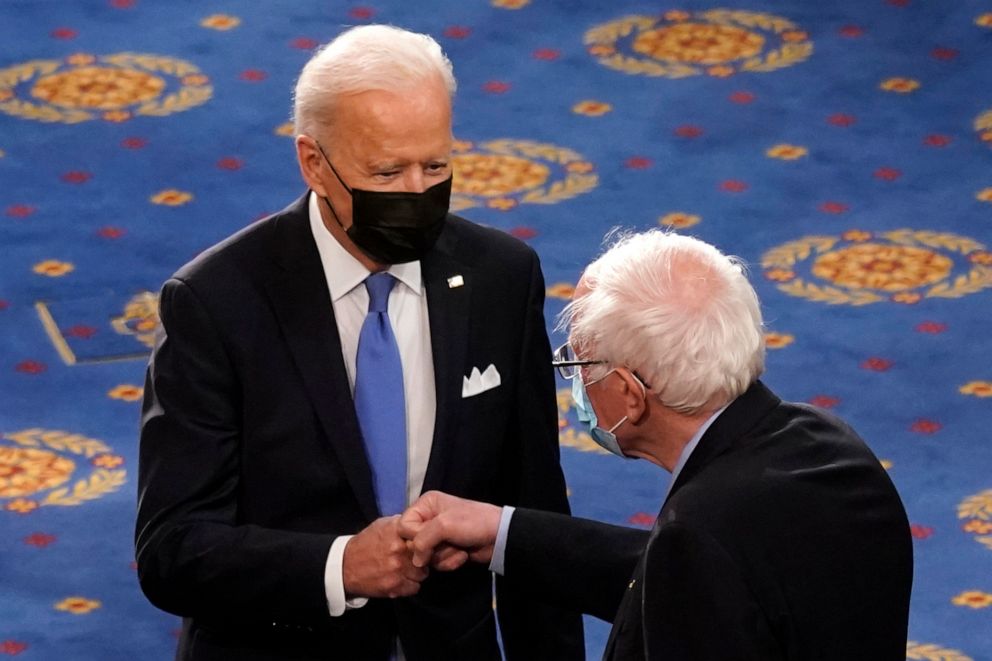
(369, 57)
(675, 310)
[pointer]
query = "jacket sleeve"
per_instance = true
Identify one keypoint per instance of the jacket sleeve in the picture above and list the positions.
(194, 559)
(531, 627)
(583, 564)
(697, 604)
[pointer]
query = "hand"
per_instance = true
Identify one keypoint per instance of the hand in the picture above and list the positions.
(377, 563)
(437, 523)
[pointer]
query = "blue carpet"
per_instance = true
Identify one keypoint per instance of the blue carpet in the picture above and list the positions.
(843, 149)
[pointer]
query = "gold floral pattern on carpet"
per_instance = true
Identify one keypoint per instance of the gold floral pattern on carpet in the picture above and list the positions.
(491, 175)
(698, 43)
(502, 174)
(140, 318)
(861, 267)
(42, 467)
(115, 88)
(719, 43)
(888, 268)
(100, 88)
(25, 471)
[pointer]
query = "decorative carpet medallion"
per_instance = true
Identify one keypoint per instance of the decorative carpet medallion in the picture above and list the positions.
(501, 174)
(983, 124)
(114, 88)
(977, 512)
(40, 467)
(718, 42)
(858, 267)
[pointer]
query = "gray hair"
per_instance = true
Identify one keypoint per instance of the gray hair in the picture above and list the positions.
(678, 312)
(369, 57)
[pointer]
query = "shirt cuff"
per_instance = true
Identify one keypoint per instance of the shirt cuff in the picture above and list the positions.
(334, 580)
(499, 546)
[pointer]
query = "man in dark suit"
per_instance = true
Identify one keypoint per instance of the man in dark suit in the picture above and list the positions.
(781, 536)
(291, 413)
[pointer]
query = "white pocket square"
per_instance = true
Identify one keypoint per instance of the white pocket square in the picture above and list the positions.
(479, 382)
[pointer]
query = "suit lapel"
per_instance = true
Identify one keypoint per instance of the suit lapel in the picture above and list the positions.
(302, 304)
(448, 312)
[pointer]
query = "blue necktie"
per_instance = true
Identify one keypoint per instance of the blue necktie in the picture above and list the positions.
(379, 399)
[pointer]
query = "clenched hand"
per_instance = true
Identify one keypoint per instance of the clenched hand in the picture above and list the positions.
(377, 563)
(447, 531)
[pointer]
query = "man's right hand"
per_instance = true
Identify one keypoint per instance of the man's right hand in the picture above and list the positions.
(446, 531)
(377, 563)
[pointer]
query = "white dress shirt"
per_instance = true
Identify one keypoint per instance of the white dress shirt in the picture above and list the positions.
(408, 316)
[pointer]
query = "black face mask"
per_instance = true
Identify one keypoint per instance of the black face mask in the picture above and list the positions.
(393, 228)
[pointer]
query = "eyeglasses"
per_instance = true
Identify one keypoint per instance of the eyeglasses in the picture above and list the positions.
(568, 365)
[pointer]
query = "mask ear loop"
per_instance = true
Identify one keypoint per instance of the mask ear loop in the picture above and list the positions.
(644, 386)
(617, 426)
(326, 199)
(644, 392)
(328, 161)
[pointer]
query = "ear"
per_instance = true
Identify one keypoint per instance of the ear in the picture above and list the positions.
(311, 163)
(634, 395)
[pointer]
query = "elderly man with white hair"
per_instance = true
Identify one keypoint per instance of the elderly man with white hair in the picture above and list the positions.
(322, 367)
(781, 535)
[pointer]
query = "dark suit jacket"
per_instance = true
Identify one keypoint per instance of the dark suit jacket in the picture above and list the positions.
(782, 538)
(252, 461)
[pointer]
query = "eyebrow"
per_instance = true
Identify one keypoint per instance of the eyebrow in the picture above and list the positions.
(385, 165)
(378, 166)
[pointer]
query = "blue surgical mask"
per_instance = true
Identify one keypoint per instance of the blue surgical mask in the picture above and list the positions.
(604, 438)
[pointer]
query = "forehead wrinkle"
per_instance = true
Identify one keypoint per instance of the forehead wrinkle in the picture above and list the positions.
(380, 128)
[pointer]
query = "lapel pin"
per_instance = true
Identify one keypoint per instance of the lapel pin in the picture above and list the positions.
(455, 281)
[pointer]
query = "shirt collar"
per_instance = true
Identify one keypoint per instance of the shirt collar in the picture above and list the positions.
(347, 272)
(689, 447)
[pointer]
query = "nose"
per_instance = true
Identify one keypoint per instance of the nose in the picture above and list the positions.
(413, 180)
